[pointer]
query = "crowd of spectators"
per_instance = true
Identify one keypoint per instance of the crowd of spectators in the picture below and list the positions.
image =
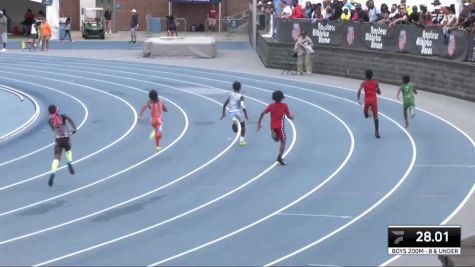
(343, 10)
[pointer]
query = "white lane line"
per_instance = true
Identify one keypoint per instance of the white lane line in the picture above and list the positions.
(313, 83)
(354, 220)
(189, 69)
(52, 89)
(327, 85)
(403, 178)
(109, 177)
(16, 92)
(454, 212)
(189, 211)
(446, 166)
(185, 128)
(90, 155)
(30, 120)
(120, 172)
(314, 215)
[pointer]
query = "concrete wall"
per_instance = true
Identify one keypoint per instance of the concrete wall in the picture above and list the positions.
(451, 78)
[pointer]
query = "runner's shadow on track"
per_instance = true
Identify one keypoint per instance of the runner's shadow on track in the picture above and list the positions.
(122, 211)
(42, 209)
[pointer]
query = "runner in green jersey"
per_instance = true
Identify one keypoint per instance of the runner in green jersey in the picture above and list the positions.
(408, 99)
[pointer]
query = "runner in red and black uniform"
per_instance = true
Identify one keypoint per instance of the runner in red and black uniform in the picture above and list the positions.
(157, 108)
(58, 124)
(371, 88)
(277, 111)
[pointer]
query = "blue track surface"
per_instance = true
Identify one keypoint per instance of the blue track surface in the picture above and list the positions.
(124, 45)
(204, 200)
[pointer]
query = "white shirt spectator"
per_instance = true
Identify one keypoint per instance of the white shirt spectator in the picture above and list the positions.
(287, 12)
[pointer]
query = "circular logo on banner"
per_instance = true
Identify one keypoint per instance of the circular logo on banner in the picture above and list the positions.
(350, 35)
(296, 31)
(402, 39)
(451, 47)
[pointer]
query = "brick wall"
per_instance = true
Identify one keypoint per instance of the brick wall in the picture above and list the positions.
(446, 77)
(143, 7)
(198, 13)
(193, 13)
(70, 8)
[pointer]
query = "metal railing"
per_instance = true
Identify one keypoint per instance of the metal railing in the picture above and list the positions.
(227, 25)
(153, 28)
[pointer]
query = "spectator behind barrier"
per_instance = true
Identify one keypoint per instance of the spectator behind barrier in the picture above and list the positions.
(374, 14)
(297, 12)
(308, 10)
(286, 11)
(400, 18)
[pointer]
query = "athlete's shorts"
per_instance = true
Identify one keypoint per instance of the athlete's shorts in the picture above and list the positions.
(133, 31)
(374, 108)
(238, 114)
(157, 123)
(60, 144)
(409, 104)
(280, 134)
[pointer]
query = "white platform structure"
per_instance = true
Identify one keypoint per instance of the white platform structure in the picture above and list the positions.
(202, 47)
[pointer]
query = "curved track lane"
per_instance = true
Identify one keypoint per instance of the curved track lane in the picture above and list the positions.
(300, 214)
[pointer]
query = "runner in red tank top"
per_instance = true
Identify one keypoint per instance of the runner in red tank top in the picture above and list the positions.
(156, 110)
(278, 111)
(371, 88)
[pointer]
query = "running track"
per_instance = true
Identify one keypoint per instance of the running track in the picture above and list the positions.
(203, 200)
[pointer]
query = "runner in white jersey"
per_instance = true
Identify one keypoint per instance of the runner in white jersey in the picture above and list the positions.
(237, 111)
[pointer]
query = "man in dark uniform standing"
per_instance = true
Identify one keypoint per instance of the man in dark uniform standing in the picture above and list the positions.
(134, 25)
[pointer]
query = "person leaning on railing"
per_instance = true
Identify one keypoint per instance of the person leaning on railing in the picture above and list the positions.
(359, 15)
(400, 18)
(345, 15)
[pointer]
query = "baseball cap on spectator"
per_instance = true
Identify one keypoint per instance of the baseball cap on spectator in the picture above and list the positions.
(133, 10)
(466, 4)
(1, 12)
(358, 5)
(269, 3)
(436, 3)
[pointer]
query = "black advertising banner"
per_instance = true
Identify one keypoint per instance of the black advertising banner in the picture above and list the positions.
(410, 39)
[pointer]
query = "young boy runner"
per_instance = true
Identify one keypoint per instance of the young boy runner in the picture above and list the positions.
(277, 111)
(237, 111)
(157, 108)
(58, 124)
(408, 90)
(371, 88)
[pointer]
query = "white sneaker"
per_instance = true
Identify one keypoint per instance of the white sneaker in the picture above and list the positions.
(4, 50)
